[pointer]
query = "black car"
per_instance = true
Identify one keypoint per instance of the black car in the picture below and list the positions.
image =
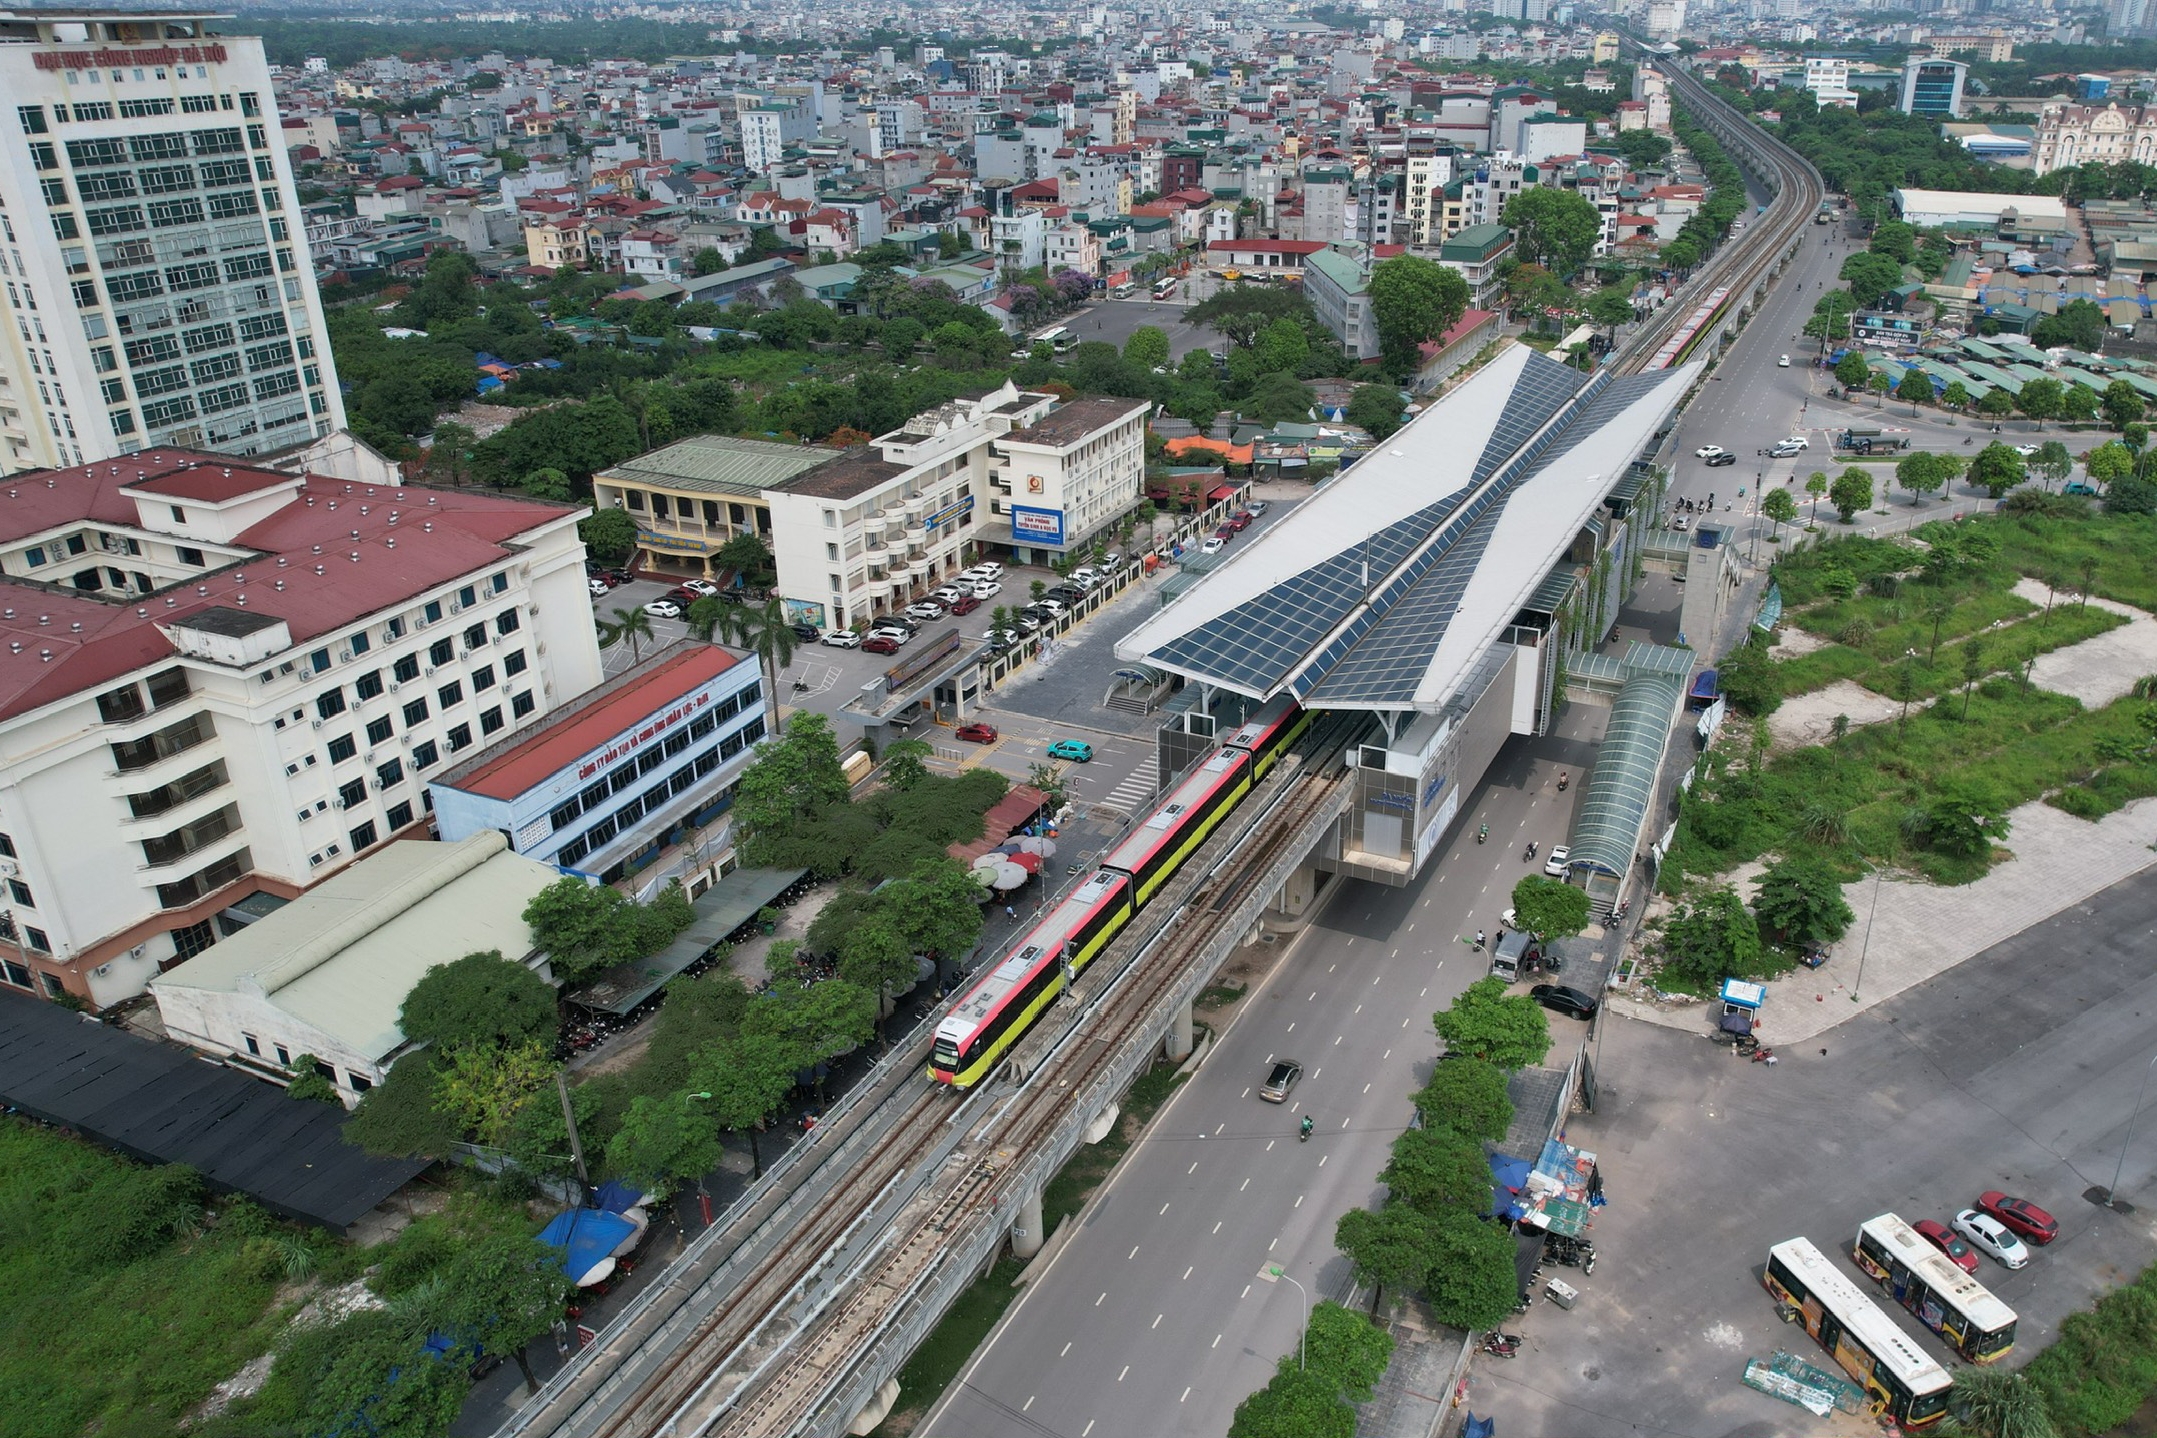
(899, 621)
(1560, 999)
(808, 633)
(1717, 461)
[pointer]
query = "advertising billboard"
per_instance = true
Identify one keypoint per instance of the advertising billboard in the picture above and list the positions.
(1037, 526)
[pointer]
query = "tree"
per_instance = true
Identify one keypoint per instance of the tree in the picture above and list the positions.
(707, 261)
(1556, 229)
(1611, 307)
(481, 998)
(1990, 1403)
(1376, 408)
(1394, 1248)
(1997, 403)
(1956, 396)
(1240, 312)
(2079, 404)
(1279, 397)
(499, 1293)
(1921, 473)
(1962, 821)
(1800, 900)
(749, 555)
(1851, 492)
(1487, 1023)
(610, 535)
(818, 1023)
(1816, 486)
(1296, 1404)
(2122, 404)
(451, 449)
(1915, 388)
(1894, 239)
(747, 1077)
(2052, 461)
(1973, 669)
(1436, 1170)
(307, 1084)
(1468, 1096)
(1750, 679)
(1472, 1283)
(398, 1119)
(1869, 277)
(2040, 399)
(765, 631)
(2110, 461)
(1346, 1348)
(1780, 507)
(663, 1140)
(904, 762)
(584, 928)
(1851, 371)
(1880, 384)
(632, 625)
(1711, 939)
(482, 1086)
(1997, 468)
(1549, 908)
(1413, 300)
(1281, 346)
(2079, 325)
(381, 1381)
(1147, 348)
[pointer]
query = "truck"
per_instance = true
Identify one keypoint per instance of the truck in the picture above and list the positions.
(1864, 439)
(1515, 953)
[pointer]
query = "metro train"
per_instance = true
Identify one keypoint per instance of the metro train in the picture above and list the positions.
(996, 1012)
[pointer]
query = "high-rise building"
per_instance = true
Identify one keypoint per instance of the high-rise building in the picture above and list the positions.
(157, 289)
(1933, 87)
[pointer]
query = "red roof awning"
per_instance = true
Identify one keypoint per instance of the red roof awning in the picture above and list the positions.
(1220, 492)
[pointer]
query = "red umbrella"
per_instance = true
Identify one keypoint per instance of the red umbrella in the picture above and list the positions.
(1031, 863)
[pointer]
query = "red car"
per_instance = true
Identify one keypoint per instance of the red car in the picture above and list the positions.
(2022, 1217)
(978, 733)
(1940, 1236)
(879, 645)
(965, 604)
(1239, 522)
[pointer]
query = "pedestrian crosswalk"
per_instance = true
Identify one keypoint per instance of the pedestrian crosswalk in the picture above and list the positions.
(1136, 789)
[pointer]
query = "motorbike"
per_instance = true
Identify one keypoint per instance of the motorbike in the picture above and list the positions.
(1529, 856)
(1562, 782)
(1572, 1252)
(1303, 1132)
(1502, 1345)
(1482, 834)
(1764, 1056)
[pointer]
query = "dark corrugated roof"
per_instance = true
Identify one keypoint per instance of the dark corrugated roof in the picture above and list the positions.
(156, 1103)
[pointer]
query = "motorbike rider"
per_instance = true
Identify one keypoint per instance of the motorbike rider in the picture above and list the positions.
(1303, 1130)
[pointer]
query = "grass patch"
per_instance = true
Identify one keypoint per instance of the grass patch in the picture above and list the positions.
(2123, 546)
(1881, 664)
(936, 1363)
(123, 1300)
(1215, 996)
(2104, 1364)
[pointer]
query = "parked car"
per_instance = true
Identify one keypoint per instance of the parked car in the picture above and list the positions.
(926, 610)
(1279, 1080)
(986, 569)
(987, 589)
(1239, 522)
(1782, 362)
(945, 593)
(1556, 864)
(1112, 561)
(597, 586)
(1224, 531)
(978, 733)
(1559, 999)
(965, 604)
(683, 595)
(1083, 578)
(1003, 638)
(880, 644)
(2023, 1218)
(1709, 451)
(1053, 608)
(1940, 1236)
(842, 639)
(1258, 506)
(808, 633)
(663, 609)
(1078, 751)
(1990, 1236)
(1797, 440)
(1721, 458)
(897, 621)
(881, 630)
(2027, 451)
(1027, 621)
(1213, 546)
(1066, 594)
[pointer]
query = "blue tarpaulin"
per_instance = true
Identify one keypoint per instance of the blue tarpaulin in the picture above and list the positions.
(617, 1197)
(1479, 1427)
(1508, 1176)
(587, 1235)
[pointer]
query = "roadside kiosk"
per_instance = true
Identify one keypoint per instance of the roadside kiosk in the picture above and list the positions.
(1741, 997)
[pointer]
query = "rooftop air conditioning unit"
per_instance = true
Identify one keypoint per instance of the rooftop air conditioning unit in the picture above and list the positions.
(9, 868)
(345, 655)
(456, 607)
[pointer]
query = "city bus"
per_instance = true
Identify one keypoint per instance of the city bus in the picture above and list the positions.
(1940, 1295)
(1899, 1380)
(1058, 339)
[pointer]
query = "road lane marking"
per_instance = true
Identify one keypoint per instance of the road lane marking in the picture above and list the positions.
(1067, 1349)
(1344, 1123)
(1299, 1200)
(1191, 1170)
(1219, 1222)
(1164, 1209)
(1337, 1039)
(1187, 1273)
(1269, 1249)
(1358, 1010)
(1133, 1253)
(1386, 1055)
(1321, 1163)
(1291, 1029)
(1314, 994)
(1119, 1379)
(1217, 1337)
(1247, 1092)
(1404, 1023)
(1219, 1126)
(1028, 1405)
(1247, 1182)
(1366, 1089)
(1097, 1301)
(1155, 1324)
(1186, 1394)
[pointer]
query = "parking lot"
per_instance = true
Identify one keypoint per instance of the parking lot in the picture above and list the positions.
(2017, 1070)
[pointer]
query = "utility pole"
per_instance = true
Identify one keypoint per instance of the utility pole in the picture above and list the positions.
(576, 1146)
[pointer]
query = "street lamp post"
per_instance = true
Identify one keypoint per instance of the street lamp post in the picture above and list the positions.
(1866, 947)
(1272, 1272)
(2112, 1194)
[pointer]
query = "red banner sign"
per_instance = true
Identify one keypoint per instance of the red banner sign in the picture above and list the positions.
(148, 55)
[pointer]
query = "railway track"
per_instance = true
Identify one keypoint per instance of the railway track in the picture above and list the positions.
(1741, 263)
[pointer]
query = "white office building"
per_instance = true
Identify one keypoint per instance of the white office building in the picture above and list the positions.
(219, 682)
(157, 289)
(762, 143)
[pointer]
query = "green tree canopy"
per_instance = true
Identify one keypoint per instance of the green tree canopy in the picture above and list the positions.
(1549, 908)
(1240, 312)
(583, 927)
(1147, 348)
(1376, 408)
(500, 1292)
(2108, 462)
(1437, 1168)
(1345, 1347)
(1915, 388)
(1800, 900)
(749, 1076)
(480, 998)
(1296, 1404)
(792, 779)
(1997, 468)
(1922, 472)
(1851, 371)
(1485, 1022)
(1392, 1249)
(2122, 404)
(609, 535)
(1851, 492)
(2078, 325)
(1556, 229)
(1869, 277)
(2040, 399)
(663, 1141)
(1413, 300)
(1711, 939)
(1471, 1283)
(1469, 1096)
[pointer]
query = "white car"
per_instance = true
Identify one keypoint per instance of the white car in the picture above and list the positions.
(987, 589)
(1784, 449)
(947, 593)
(1798, 441)
(2026, 450)
(842, 639)
(1988, 1235)
(1782, 362)
(1708, 451)
(596, 586)
(1559, 862)
(1087, 577)
(987, 569)
(1213, 546)
(663, 609)
(703, 587)
(925, 611)
(890, 631)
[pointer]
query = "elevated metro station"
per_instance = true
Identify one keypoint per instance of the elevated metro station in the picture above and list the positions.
(1454, 585)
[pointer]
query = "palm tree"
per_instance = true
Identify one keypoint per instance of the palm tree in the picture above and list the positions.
(629, 624)
(764, 631)
(1992, 1404)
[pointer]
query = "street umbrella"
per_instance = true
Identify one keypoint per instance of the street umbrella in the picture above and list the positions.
(985, 874)
(1031, 863)
(1009, 877)
(988, 862)
(1046, 848)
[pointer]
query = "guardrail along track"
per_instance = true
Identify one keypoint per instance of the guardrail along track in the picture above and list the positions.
(1744, 261)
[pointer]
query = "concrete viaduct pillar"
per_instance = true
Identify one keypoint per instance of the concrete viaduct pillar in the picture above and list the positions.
(1026, 1234)
(1178, 1043)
